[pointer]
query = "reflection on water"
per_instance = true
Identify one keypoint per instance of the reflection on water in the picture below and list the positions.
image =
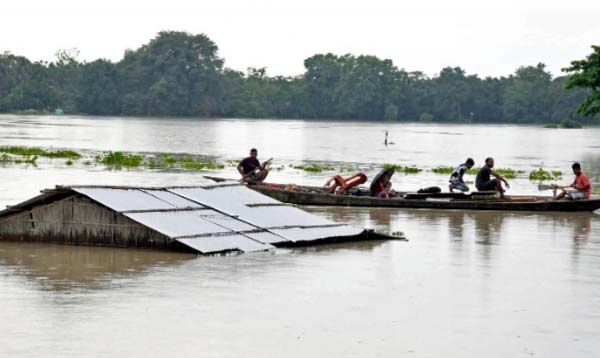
(466, 284)
(65, 267)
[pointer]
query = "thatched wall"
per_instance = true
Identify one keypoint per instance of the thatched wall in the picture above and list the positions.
(80, 221)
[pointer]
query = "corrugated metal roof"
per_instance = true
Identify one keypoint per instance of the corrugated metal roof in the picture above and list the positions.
(223, 220)
(209, 219)
(177, 223)
(124, 199)
(173, 199)
(225, 243)
(311, 234)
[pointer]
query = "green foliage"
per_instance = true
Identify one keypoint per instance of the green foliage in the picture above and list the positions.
(181, 74)
(69, 162)
(426, 117)
(118, 160)
(569, 124)
(586, 74)
(6, 159)
(543, 175)
(442, 170)
(32, 151)
(391, 113)
(192, 163)
(314, 168)
(402, 169)
(527, 96)
(508, 173)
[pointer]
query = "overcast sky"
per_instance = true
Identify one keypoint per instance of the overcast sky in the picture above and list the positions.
(416, 35)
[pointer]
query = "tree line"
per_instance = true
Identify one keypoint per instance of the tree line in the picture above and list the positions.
(181, 74)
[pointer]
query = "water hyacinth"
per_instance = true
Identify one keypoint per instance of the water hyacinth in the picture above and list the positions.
(402, 169)
(544, 175)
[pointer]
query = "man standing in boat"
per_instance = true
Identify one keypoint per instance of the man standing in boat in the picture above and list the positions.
(483, 181)
(581, 187)
(251, 169)
(456, 178)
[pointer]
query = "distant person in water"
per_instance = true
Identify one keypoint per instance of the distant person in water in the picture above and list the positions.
(251, 170)
(483, 181)
(456, 178)
(580, 189)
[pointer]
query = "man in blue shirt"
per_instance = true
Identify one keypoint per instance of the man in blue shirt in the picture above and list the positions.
(251, 170)
(456, 178)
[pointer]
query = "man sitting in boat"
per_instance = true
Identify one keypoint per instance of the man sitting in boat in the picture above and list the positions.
(456, 178)
(339, 185)
(483, 181)
(251, 170)
(580, 189)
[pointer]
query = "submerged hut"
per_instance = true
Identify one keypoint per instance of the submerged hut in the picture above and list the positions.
(204, 219)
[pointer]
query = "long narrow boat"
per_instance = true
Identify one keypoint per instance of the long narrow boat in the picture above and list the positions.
(474, 201)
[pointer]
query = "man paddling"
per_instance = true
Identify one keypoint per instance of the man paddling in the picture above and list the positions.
(483, 181)
(456, 178)
(580, 189)
(251, 170)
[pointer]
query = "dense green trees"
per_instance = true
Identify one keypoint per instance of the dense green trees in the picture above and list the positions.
(180, 74)
(586, 74)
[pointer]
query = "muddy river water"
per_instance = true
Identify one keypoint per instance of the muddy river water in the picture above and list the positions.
(466, 284)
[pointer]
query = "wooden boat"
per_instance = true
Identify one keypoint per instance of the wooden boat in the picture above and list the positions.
(305, 195)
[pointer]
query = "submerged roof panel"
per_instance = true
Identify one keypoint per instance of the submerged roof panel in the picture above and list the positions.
(177, 223)
(281, 216)
(212, 198)
(223, 220)
(123, 199)
(241, 194)
(224, 243)
(207, 219)
(173, 199)
(267, 237)
(310, 234)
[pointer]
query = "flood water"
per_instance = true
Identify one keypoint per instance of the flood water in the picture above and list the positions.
(466, 284)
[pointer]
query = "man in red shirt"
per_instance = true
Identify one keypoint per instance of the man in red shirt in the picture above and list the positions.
(581, 187)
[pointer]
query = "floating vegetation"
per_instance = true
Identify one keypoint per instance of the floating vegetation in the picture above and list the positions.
(69, 162)
(314, 168)
(551, 126)
(568, 123)
(8, 159)
(442, 170)
(402, 169)
(347, 168)
(118, 160)
(543, 175)
(508, 173)
(39, 152)
(397, 234)
(192, 163)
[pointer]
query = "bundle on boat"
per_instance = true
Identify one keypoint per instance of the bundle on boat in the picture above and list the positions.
(204, 219)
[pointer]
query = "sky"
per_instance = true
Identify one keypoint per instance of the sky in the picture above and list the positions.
(425, 35)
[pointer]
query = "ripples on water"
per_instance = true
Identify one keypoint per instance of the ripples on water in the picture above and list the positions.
(467, 284)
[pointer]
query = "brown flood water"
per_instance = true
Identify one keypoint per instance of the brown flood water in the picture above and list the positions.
(467, 284)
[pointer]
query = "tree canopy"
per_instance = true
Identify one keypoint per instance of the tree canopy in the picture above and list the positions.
(181, 74)
(586, 74)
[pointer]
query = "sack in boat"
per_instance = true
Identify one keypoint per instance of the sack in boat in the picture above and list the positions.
(430, 190)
